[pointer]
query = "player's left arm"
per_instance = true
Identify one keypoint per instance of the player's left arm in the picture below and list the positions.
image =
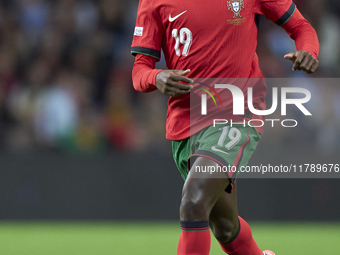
(306, 41)
(285, 14)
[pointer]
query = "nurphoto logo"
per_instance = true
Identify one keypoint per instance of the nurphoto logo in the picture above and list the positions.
(238, 99)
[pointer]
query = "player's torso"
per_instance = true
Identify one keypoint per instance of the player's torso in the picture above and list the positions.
(215, 38)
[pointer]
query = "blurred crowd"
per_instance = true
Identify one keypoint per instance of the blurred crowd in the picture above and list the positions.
(65, 75)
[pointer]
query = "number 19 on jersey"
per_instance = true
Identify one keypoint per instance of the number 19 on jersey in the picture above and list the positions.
(184, 37)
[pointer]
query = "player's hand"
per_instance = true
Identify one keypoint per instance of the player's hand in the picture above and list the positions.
(303, 60)
(167, 82)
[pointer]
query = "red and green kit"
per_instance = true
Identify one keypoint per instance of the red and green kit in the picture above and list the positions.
(215, 39)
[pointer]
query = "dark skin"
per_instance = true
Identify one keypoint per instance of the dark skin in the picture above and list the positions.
(203, 195)
(303, 61)
(168, 82)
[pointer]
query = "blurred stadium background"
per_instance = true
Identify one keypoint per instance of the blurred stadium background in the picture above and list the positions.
(84, 165)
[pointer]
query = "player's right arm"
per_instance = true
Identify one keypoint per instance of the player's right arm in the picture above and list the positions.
(146, 47)
(147, 79)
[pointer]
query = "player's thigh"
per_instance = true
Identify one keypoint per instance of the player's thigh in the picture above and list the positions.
(202, 186)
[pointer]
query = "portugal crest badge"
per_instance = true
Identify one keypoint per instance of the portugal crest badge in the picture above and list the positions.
(236, 7)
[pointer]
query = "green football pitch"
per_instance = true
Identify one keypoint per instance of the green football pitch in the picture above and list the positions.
(154, 238)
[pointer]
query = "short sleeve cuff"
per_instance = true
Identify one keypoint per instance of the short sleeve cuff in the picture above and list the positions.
(146, 51)
(285, 17)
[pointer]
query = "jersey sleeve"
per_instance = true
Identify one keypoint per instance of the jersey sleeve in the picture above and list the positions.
(148, 34)
(278, 11)
(304, 35)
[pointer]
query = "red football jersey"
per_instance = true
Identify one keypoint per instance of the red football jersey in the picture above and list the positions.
(214, 39)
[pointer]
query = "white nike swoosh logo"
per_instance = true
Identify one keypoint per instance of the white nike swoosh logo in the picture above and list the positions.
(174, 18)
(218, 150)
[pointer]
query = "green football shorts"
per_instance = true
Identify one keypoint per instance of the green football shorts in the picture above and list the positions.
(230, 147)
